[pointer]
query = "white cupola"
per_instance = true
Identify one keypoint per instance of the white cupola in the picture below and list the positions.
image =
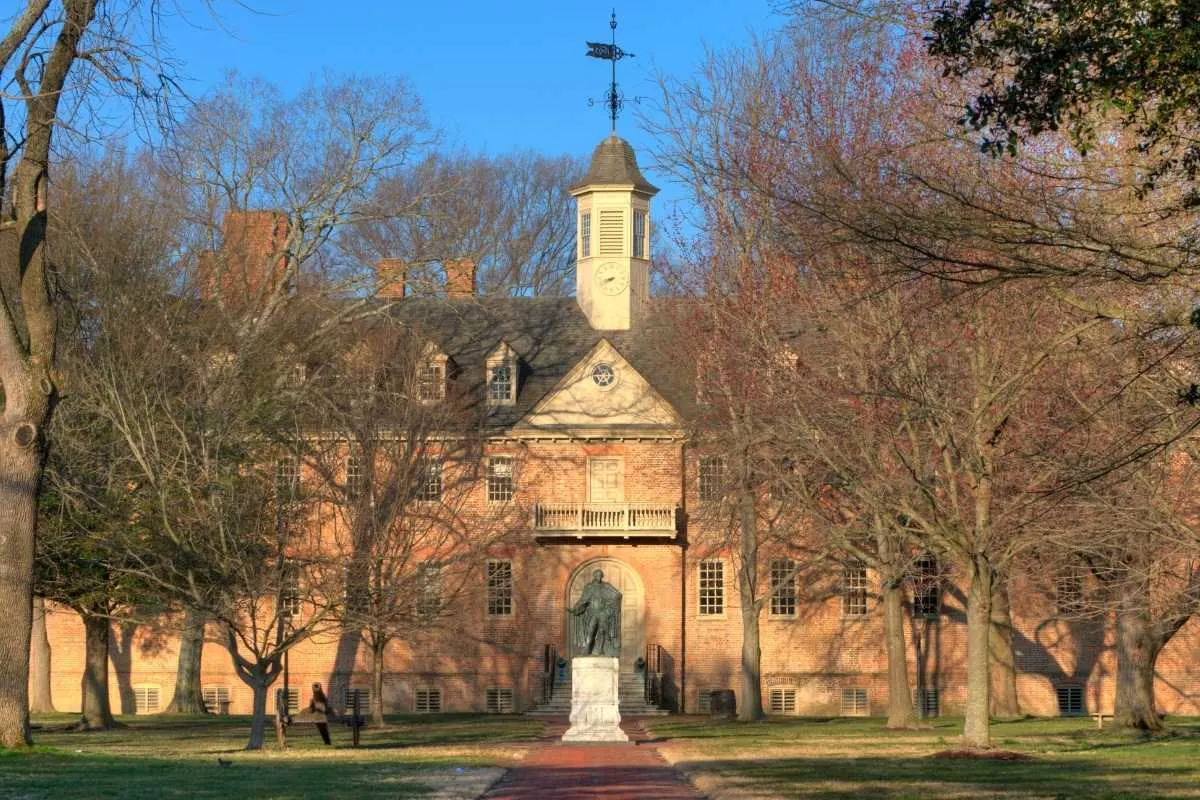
(612, 275)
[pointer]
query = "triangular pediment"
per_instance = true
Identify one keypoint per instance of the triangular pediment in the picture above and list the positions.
(602, 393)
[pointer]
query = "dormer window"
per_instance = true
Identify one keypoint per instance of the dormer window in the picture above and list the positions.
(502, 376)
(431, 375)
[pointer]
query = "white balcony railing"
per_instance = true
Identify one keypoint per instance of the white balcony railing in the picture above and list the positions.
(622, 519)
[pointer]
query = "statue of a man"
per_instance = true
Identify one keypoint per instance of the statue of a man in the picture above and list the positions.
(599, 632)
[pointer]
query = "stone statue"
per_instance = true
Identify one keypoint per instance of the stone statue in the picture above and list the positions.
(598, 633)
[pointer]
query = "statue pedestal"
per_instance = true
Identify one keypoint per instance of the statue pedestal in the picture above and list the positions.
(594, 713)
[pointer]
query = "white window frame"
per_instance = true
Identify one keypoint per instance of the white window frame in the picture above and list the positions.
(429, 479)
(714, 594)
(585, 234)
(856, 702)
(856, 583)
(499, 590)
(782, 583)
(143, 693)
(429, 590)
(641, 233)
(781, 701)
(710, 478)
(355, 477)
(215, 696)
(501, 479)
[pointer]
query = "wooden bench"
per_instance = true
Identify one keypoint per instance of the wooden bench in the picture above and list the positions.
(1100, 716)
(320, 720)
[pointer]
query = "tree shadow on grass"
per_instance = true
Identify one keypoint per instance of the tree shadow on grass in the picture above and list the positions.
(846, 778)
(64, 775)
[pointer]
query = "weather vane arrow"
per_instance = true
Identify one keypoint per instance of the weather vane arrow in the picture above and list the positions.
(610, 52)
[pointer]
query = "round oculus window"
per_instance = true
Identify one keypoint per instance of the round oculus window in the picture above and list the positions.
(603, 375)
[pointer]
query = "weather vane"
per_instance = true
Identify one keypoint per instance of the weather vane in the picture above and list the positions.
(610, 52)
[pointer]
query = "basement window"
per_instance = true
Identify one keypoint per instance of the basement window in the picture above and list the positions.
(500, 700)
(363, 696)
(927, 703)
(1070, 699)
(216, 699)
(427, 701)
(782, 701)
(854, 702)
(145, 698)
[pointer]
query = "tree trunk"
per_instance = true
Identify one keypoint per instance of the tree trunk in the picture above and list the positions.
(750, 706)
(378, 646)
(976, 731)
(259, 684)
(1137, 653)
(96, 713)
(189, 698)
(19, 477)
(900, 705)
(1004, 670)
(41, 700)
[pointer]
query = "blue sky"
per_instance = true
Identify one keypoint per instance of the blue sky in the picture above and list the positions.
(494, 76)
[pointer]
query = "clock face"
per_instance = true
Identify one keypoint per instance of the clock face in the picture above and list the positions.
(611, 278)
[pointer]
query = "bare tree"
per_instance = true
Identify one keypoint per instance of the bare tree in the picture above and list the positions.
(399, 460)
(511, 215)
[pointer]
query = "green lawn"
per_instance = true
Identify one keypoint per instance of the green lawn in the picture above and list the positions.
(854, 758)
(176, 757)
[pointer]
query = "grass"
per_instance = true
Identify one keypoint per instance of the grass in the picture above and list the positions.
(444, 756)
(852, 758)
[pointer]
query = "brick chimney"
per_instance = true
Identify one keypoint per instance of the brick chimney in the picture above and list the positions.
(460, 278)
(251, 262)
(390, 279)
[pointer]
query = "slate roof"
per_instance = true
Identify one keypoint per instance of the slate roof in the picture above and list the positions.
(614, 162)
(550, 335)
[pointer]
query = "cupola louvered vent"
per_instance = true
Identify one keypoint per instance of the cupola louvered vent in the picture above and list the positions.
(612, 233)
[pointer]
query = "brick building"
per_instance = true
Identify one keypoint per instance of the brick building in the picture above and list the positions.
(587, 439)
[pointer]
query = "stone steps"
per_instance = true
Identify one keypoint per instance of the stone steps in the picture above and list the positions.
(631, 700)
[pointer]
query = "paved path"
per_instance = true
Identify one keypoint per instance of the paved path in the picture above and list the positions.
(556, 770)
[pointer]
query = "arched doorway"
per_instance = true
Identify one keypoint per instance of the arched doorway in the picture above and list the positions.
(633, 597)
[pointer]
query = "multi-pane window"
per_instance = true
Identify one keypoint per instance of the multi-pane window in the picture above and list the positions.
(854, 702)
(354, 474)
(287, 478)
(639, 234)
(712, 587)
(854, 589)
(1068, 592)
(926, 587)
(500, 485)
(431, 382)
(429, 479)
(289, 594)
(500, 700)
(585, 234)
(500, 382)
(499, 588)
(1070, 699)
(429, 590)
(712, 477)
(783, 587)
(145, 699)
(427, 701)
(928, 703)
(782, 701)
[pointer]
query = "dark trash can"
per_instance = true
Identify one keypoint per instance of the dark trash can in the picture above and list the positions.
(722, 704)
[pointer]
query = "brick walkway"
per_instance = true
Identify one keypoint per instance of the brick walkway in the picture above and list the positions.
(557, 770)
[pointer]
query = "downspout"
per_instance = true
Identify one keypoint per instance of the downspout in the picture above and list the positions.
(683, 575)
